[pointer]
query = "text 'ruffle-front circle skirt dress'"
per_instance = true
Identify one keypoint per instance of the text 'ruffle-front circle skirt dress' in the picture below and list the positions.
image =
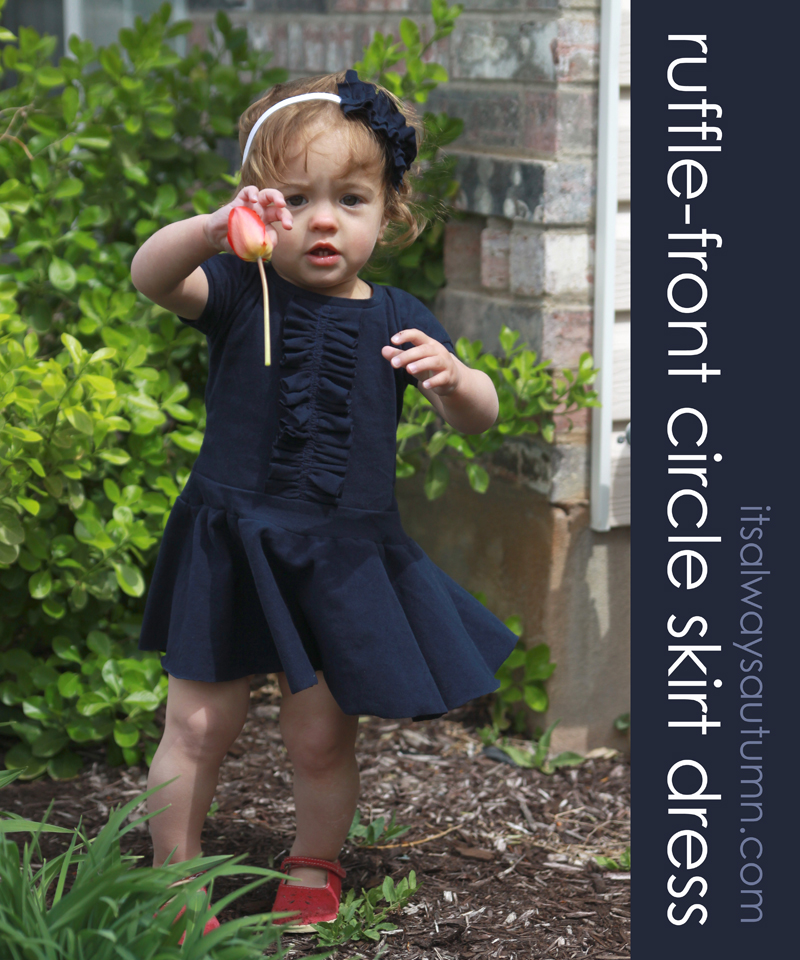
(285, 550)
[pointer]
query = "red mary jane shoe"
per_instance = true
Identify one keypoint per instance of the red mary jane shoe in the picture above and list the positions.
(212, 924)
(310, 904)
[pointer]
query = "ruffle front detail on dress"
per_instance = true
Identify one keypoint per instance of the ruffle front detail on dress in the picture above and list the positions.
(318, 365)
(245, 584)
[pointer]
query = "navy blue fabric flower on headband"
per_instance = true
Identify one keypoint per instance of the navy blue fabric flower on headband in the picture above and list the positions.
(384, 117)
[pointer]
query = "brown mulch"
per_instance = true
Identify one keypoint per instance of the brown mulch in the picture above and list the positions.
(505, 855)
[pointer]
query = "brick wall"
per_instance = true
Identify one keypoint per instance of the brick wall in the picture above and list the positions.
(523, 77)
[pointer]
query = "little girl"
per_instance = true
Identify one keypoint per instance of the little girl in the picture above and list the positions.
(285, 553)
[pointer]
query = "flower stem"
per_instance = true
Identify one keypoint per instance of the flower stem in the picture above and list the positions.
(267, 357)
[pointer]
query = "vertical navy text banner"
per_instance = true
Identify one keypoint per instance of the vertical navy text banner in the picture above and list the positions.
(715, 483)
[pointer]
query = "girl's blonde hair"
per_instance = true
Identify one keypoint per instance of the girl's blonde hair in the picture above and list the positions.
(266, 159)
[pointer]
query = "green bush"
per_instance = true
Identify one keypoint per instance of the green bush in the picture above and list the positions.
(101, 413)
(530, 397)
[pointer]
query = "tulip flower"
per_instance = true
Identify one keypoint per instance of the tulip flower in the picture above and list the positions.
(247, 236)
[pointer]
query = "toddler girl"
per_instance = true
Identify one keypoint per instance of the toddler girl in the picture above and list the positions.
(285, 553)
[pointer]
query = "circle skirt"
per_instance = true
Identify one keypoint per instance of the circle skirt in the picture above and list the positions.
(249, 582)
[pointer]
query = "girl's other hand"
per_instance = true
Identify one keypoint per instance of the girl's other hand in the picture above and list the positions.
(268, 204)
(429, 361)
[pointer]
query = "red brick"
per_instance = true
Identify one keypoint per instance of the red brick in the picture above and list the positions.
(566, 335)
(495, 242)
(462, 251)
(540, 122)
(576, 50)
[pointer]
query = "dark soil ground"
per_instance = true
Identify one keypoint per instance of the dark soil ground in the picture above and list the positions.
(505, 855)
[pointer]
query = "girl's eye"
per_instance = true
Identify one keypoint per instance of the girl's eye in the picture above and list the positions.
(350, 200)
(295, 201)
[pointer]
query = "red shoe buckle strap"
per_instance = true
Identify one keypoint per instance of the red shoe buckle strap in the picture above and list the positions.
(331, 866)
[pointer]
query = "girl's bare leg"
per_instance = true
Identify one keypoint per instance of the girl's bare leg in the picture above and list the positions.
(203, 720)
(320, 740)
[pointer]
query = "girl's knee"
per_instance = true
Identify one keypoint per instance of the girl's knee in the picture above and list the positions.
(203, 734)
(317, 746)
(205, 726)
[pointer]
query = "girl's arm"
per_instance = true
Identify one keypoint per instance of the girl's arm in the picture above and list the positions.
(464, 397)
(166, 268)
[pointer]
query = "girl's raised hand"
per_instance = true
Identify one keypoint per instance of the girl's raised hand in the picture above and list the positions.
(428, 360)
(268, 204)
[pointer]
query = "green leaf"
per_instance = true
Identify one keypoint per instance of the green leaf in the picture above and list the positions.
(404, 469)
(436, 443)
(32, 506)
(130, 580)
(8, 553)
(566, 759)
(524, 758)
(436, 479)
(19, 757)
(74, 348)
(40, 585)
(409, 32)
(142, 698)
(91, 703)
(54, 486)
(69, 685)
(99, 643)
(118, 457)
(66, 766)
(62, 275)
(191, 442)
(64, 648)
(70, 187)
(80, 419)
(93, 143)
(54, 608)
(111, 490)
(36, 708)
(135, 174)
(49, 743)
(11, 530)
(508, 338)
(104, 387)
(126, 734)
(70, 102)
(5, 224)
(405, 430)
(15, 195)
(535, 697)
(48, 76)
(105, 353)
(27, 436)
(461, 444)
(478, 477)
(34, 464)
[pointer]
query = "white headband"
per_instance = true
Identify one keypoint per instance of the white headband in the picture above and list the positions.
(334, 98)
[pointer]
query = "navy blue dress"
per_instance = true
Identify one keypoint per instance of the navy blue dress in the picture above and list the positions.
(285, 550)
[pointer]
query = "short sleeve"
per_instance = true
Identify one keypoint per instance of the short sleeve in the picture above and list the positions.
(419, 316)
(227, 282)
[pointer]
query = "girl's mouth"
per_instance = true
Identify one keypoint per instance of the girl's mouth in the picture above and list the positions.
(324, 254)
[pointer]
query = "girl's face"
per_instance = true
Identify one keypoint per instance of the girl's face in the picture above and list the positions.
(337, 218)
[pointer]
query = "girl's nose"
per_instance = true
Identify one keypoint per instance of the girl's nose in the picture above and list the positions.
(323, 216)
